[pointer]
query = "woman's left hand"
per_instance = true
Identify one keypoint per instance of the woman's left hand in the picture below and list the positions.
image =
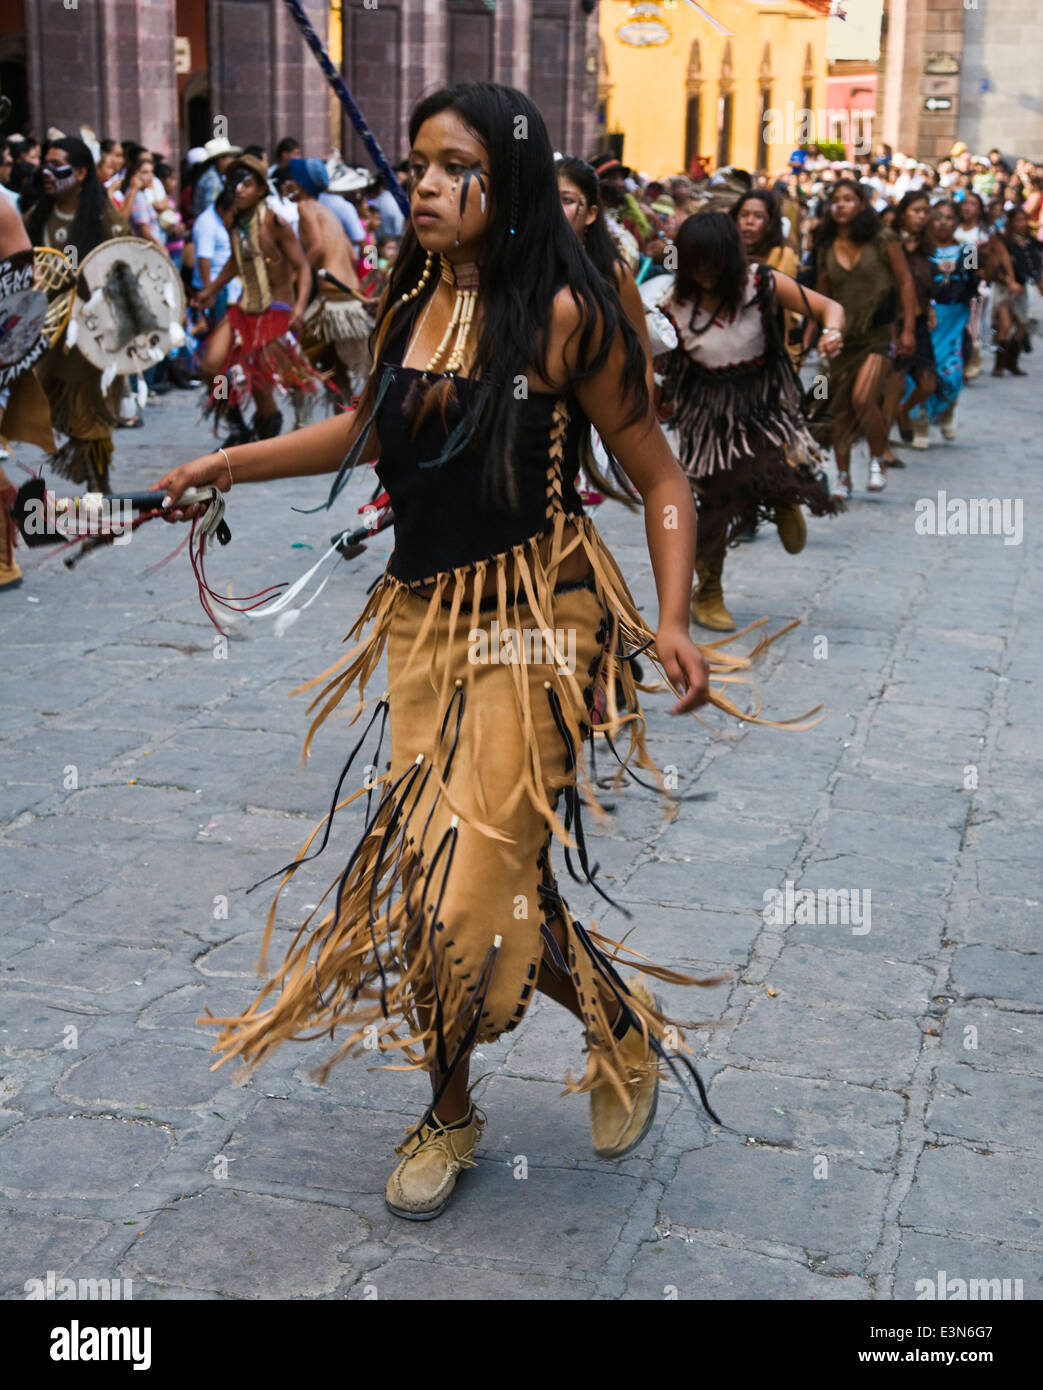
(907, 343)
(686, 668)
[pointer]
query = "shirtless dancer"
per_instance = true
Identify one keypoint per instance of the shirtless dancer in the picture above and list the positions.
(253, 350)
(337, 325)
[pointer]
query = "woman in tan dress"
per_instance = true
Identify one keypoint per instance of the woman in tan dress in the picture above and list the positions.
(447, 919)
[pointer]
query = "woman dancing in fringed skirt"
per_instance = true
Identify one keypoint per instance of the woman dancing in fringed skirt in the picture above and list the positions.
(734, 399)
(860, 264)
(508, 631)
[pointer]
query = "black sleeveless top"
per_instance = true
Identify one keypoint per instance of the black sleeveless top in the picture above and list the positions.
(443, 517)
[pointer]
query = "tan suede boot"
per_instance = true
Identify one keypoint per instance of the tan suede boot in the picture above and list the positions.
(615, 1130)
(708, 608)
(420, 1187)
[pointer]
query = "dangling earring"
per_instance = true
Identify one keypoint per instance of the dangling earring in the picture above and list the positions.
(428, 266)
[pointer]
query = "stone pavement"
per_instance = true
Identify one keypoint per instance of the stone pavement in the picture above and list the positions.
(881, 1084)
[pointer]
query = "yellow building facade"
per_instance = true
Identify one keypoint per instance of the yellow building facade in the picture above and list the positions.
(674, 87)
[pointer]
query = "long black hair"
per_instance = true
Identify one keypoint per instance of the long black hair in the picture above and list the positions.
(530, 252)
(864, 227)
(709, 244)
(773, 231)
(597, 242)
(602, 250)
(88, 228)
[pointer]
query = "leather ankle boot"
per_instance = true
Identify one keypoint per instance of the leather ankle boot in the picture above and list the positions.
(708, 608)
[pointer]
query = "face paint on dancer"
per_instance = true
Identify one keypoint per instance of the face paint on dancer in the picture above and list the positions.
(445, 162)
(58, 176)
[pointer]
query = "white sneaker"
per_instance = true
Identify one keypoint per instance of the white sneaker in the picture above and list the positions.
(877, 477)
(921, 431)
(948, 423)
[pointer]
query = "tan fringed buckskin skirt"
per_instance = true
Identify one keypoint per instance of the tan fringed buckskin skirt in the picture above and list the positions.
(438, 925)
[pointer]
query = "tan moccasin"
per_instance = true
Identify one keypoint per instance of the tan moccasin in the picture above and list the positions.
(615, 1130)
(420, 1187)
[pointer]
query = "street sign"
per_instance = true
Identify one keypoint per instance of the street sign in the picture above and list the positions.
(938, 104)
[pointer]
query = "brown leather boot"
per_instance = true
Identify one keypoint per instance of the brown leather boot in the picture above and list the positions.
(1013, 353)
(708, 608)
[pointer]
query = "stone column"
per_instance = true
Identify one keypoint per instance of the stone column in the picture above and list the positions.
(264, 81)
(384, 55)
(915, 29)
(107, 64)
(563, 72)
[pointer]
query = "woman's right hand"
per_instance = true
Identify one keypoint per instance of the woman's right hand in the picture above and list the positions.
(201, 472)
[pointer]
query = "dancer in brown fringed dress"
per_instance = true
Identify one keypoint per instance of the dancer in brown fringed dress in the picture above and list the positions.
(508, 632)
(23, 409)
(73, 216)
(730, 392)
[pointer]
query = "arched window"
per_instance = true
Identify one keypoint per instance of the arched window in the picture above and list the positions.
(693, 105)
(764, 81)
(725, 86)
(605, 86)
(809, 81)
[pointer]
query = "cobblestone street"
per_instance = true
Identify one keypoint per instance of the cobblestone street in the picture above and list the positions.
(880, 1075)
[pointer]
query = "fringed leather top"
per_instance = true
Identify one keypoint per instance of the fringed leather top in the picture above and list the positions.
(444, 518)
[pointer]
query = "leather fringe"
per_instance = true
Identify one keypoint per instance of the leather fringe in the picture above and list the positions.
(375, 962)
